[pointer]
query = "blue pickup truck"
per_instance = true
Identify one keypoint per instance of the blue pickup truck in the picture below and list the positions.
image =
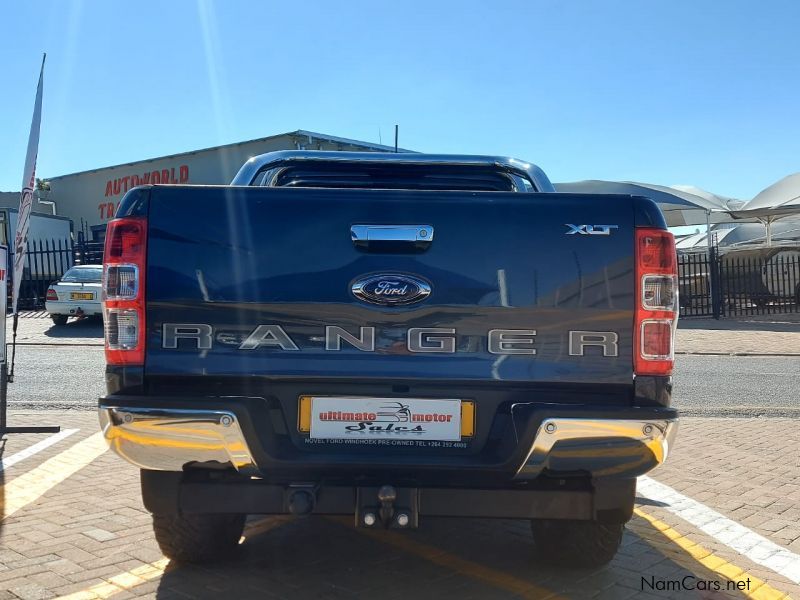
(391, 337)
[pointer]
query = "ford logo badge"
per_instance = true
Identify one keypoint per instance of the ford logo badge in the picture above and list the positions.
(391, 289)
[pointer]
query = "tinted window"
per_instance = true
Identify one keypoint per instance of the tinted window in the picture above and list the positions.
(394, 176)
(83, 275)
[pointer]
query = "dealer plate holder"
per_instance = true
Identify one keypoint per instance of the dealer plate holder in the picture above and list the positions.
(468, 415)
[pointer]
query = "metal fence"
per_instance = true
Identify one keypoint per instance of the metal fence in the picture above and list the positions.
(755, 283)
(46, 261)
(88, 253)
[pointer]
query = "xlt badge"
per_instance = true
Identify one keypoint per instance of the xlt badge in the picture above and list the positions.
(590, 229)
(390, 289)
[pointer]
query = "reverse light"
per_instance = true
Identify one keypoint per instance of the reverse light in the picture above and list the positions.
(657, 302)
(122, 329)
(123, 290)
(122, 282)
(660, 292)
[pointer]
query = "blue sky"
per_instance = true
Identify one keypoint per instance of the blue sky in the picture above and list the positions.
(679, 92)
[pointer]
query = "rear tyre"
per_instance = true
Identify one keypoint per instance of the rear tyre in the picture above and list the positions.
(570, 543)
(59, 319)
(198, 538)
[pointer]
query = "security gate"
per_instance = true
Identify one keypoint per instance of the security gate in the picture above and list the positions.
(747, 282)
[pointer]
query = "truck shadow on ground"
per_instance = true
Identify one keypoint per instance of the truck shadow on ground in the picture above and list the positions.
(80, 328)
(459, 558)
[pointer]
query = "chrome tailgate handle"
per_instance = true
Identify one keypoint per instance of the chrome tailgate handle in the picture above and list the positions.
(419, 235)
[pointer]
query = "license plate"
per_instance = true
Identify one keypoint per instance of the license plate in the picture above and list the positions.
(329, 417)
(82, 296)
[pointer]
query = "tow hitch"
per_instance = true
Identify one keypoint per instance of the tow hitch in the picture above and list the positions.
(301, 499)
(388, 507)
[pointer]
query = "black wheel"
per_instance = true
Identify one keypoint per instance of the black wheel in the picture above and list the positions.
(59, 319)
(569, 543)
(198, 538)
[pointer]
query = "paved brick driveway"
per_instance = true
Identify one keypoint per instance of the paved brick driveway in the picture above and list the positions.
(37, 328)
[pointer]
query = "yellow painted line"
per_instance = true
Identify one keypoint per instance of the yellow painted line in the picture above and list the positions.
(148, 572)
(493, 577)
(29, 487)
(664, 538)
(122, 582)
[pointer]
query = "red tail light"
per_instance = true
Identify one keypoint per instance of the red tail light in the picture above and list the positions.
(123, 290)
(52, 295)
(656, 302)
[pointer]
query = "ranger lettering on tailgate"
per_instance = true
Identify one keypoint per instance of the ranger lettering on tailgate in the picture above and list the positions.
(418, 339)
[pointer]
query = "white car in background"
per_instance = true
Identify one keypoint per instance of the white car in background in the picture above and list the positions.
(76, 294)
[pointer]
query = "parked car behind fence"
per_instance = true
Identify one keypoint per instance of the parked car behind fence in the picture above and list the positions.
(45, 262)
(75, 294)
(748, 281)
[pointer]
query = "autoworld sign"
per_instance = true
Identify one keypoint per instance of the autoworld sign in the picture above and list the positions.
(117, 187)
(120, 185)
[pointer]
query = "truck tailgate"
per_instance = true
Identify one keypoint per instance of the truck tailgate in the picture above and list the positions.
(232, 259)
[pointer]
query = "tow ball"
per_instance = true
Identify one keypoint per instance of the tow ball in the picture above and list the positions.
(397, 508)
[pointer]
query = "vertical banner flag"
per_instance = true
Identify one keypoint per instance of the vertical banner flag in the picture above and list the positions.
(26, 198)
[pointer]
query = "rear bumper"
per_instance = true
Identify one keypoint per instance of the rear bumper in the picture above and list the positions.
(574, 440)
(565, 440)
(169, 439)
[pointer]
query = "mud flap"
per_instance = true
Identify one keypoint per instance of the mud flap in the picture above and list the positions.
(613, 500)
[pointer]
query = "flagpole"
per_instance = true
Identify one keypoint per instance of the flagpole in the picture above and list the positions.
(13, 347)
(20, 246)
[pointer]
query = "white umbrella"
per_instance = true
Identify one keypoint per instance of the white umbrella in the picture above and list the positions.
(743, 234)
(680, 208)
(781, 199)
(724, 201)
